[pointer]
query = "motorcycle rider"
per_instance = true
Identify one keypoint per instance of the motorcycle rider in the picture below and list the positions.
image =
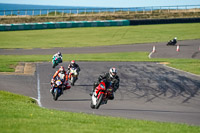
(61, 70)
(174, 41)
(58, 55)
(74, 65)
(112, 77)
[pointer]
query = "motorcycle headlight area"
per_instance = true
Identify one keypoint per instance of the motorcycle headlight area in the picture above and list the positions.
(102, 86)
(58, 82)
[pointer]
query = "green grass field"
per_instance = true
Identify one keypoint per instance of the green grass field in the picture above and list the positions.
(20, 114)
(189, 65)
(98, 36)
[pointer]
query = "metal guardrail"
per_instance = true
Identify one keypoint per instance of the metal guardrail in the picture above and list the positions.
(100, 11)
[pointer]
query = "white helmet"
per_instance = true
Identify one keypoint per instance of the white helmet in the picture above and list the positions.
(175, 38)
(113, 72)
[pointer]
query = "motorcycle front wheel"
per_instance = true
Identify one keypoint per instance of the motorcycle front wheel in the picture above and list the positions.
(99, 101)
(92, 105)
(53, 64)
(56, 95)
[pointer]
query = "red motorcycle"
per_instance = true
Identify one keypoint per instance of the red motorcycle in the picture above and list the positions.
(101, 94)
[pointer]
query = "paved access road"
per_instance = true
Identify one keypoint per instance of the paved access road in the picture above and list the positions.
(148, 91)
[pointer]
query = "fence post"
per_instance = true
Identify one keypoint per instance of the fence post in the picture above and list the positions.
(143, 10)
(47, 13)
(99, 12)
(33, 13)
(160, 10)
(40, 12)
(185, 8)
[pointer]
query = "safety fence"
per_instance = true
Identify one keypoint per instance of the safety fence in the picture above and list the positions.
(99, 11)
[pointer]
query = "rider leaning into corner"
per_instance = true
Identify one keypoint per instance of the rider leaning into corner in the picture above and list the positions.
(174, 40)
(112, 77)
(61, 70)
(58, 55)
(73, 64)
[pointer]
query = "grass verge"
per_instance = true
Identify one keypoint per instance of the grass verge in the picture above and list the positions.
(98, 36)
(21, 114)
(189, 65)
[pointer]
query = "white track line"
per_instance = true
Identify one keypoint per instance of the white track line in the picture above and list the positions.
(38, 87)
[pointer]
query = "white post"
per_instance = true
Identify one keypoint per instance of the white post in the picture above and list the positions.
(177, 48)
(154, 49)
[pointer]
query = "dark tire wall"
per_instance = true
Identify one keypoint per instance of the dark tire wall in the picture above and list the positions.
(164, 21)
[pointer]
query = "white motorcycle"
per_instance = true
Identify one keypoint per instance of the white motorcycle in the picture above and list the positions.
(73, 75)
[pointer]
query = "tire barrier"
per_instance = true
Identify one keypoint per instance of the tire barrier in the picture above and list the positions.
(73, 24)
(164, 21)
(67, 24)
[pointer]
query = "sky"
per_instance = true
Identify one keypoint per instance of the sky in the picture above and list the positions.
(105, 3)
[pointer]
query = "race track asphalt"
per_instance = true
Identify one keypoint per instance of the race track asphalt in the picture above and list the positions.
(148, 91)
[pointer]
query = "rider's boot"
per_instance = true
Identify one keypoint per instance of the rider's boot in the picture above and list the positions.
(94, 86)
(51, 90)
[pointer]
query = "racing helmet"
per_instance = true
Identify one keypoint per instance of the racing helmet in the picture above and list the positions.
(61, 69)
(59, 53)
(72, 62)
(113, 72)
(175, 38)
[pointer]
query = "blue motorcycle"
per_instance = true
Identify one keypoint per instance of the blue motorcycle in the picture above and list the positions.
(58, 89)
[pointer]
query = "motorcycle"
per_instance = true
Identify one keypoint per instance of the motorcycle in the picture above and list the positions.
(171, 43)
(58, 87)
(101, 95)
(56, 61)
(73, 75)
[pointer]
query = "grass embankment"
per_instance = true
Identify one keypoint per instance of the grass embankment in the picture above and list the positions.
(21, 114)
(189, 65)
(98, 36)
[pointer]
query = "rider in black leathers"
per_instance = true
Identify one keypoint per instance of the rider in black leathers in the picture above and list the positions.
(173, 41)
(109, 77)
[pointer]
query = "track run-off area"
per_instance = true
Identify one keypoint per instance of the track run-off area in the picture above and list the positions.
(148, 91)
